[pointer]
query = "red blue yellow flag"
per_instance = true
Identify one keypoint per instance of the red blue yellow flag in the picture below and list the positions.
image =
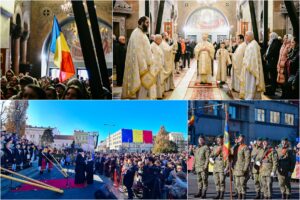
(62, 55)
(226, 145)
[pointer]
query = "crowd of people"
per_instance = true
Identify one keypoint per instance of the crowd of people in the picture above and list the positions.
(259, 160)
(24, 86)
(16, 153)
(145, 175)
(146, 66)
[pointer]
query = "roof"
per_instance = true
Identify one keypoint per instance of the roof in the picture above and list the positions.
(64, 137)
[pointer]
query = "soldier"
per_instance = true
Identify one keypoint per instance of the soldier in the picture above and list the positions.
(201, 167)
(220, 167)
(240, 171)
(233, 150)
(255, 168)
(286, 163)
(268, 166)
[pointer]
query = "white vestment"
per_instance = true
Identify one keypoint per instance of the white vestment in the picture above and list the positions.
(237, 61)
(223, 60)
(169, 65)
(157, 69)
(252, 82)
(137, 78)
(204, 60)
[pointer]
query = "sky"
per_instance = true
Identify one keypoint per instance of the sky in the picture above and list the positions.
(68, 116)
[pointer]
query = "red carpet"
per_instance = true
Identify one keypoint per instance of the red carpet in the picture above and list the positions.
(206, 94)
(197, 84)
(59, 183)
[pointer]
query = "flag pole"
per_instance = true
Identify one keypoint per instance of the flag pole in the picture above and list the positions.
(229, 158)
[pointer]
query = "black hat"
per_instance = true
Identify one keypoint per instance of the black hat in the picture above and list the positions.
(220, 136)
(284, 138)
(80, 150)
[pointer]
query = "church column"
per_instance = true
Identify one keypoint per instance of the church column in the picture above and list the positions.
(16, 55)
(24, 41)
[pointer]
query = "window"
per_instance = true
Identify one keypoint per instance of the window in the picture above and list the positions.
(232, 112)
(274, 117)
(289, 119)
(259, 115)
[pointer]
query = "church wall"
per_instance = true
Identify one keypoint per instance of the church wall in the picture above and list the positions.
(186, 8)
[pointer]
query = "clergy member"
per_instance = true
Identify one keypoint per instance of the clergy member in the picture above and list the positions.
(223, 61)
(80, 168)
(204, 53)
(137, 77)
(157, 67)
(252, 82)
(237, 61)
(169, 64)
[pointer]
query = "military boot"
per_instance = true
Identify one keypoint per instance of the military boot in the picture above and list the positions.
(239, 196)
(222, 195)
(243, 196)
(257, 195)
(203, 195)
(218, 195)
(199, 194)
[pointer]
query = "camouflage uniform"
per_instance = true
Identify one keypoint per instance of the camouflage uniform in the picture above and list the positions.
(241, 168)
(267, 166)
(201, 167)
(219, 168)
(234, 152)
(286, 163)
(256, 156)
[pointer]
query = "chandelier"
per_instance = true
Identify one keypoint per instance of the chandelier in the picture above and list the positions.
(207, 2)
(66, 7)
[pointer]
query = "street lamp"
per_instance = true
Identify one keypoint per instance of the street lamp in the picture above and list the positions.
(109, 125)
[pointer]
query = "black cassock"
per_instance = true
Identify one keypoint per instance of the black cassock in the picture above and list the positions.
(90, 172)
(80, 170)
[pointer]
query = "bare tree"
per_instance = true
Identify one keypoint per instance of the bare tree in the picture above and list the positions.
(2, 114)
(16, 117)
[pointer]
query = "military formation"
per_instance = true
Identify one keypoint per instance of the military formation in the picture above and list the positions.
(260, 161)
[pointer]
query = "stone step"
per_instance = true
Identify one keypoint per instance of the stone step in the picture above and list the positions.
(7, 185)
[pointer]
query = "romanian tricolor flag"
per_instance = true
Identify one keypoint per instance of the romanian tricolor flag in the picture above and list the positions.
(191, 120)
(62, 55)
(226, 145)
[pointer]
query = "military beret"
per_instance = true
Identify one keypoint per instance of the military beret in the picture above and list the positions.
(265, 139)
(284, 138)
(241, 135)
(201, 136)
(259, 139)
(220, 136)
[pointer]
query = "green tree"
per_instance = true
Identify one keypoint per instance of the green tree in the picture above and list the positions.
(47, 137)
(162, 143)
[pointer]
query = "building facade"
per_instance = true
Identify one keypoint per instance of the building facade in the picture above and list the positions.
(62, 141)
(178, 139)
(86, 140)
(34, 133)
(271, 119)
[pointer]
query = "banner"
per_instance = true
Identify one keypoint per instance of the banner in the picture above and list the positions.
(127, 135)
(137, 136)
(147, 137)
